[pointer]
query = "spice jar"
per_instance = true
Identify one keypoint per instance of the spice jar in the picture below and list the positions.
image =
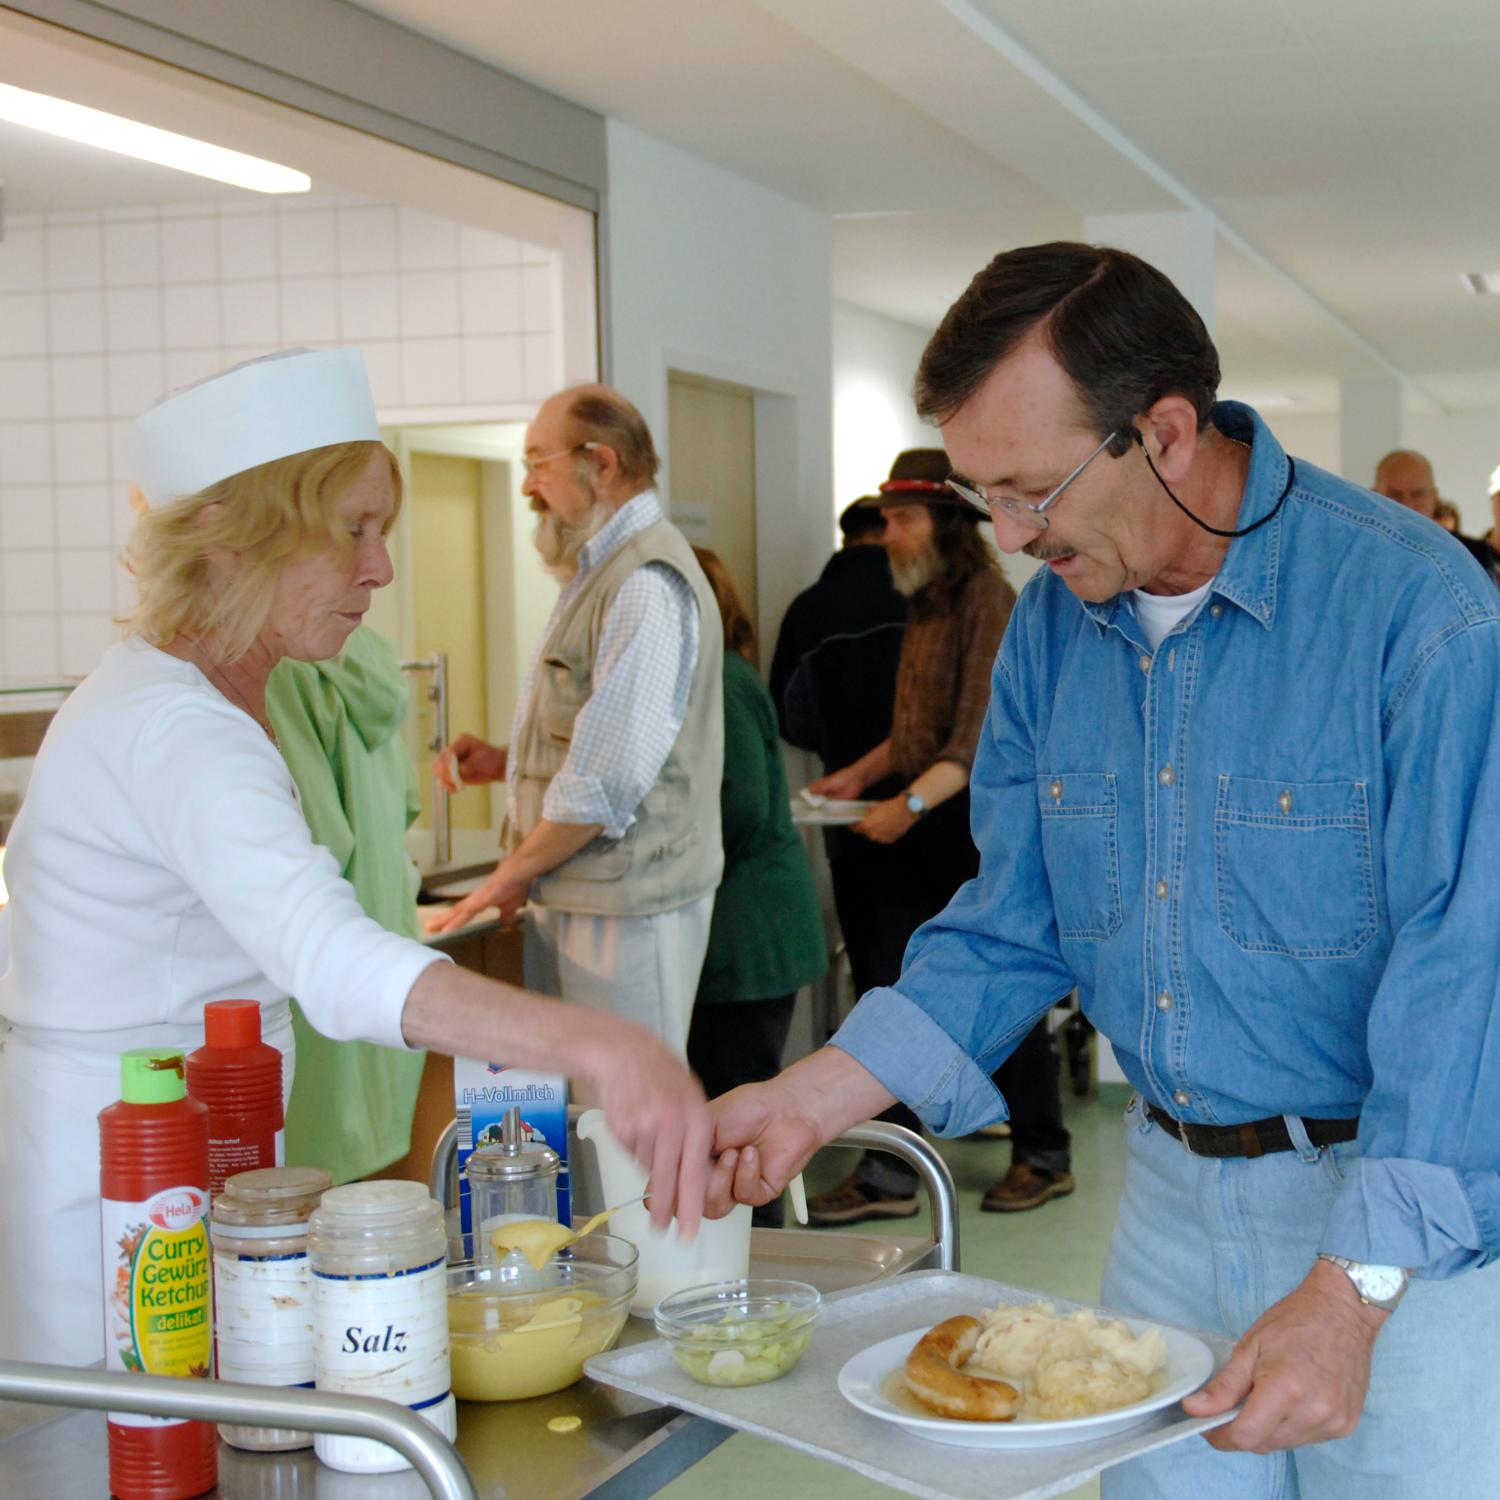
(516, 1179)
(378, 1255)
(263, 1312)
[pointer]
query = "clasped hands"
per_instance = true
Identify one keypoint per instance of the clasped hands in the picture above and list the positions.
(1301, 1371)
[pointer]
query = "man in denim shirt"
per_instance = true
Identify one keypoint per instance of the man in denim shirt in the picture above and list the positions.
(1240, 780)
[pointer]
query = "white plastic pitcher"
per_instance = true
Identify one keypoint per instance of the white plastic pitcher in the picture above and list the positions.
(721, 1251)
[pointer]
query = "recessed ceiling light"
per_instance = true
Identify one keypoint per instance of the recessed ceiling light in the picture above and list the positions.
(1480, 283)
(93, 127)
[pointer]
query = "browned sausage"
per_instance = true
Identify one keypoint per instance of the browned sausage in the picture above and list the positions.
(934, 1375)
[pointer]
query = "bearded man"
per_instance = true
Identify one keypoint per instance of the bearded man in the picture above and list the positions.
(617, 746)
(960, 602)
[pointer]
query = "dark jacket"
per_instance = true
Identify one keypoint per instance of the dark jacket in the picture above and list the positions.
(766, 938)
(854, 594)
(1484, 554)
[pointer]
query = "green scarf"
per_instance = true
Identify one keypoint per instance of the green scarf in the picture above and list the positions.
(338, 723)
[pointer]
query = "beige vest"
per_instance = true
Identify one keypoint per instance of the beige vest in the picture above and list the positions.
(672, 853)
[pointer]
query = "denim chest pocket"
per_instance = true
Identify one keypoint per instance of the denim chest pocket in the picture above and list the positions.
(1293, 865)
(1080, 816)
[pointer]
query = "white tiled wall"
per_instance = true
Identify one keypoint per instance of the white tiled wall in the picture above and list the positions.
(100, 314)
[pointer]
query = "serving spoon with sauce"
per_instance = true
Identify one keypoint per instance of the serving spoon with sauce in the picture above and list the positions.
(540, 1239)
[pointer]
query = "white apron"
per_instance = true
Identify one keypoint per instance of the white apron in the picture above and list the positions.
(52, 1086)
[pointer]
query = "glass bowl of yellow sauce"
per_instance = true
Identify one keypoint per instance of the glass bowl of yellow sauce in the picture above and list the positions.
(517, 1333)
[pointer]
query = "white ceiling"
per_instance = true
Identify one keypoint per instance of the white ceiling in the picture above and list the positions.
(1345, 143)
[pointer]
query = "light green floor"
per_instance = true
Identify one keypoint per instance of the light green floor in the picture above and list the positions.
(1057, 1248)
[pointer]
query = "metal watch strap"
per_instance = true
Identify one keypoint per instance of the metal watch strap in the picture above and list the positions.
(1364, 1279)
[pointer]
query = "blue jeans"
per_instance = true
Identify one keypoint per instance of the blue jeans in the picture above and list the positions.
(1213, 1243)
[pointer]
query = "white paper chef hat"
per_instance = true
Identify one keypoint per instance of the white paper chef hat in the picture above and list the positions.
(264, 409)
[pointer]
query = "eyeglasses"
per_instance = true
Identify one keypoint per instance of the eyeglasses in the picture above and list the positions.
(531, 465)
(1023, 511)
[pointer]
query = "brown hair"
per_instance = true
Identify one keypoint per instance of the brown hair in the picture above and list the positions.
(267, 516)
(963, 553)
(739, 633)
(599, 414)
(1121, 331)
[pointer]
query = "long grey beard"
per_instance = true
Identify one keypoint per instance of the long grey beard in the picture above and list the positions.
(558, 544)
(912, 574)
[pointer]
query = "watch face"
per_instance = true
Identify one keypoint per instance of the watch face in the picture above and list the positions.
(1379, 1283)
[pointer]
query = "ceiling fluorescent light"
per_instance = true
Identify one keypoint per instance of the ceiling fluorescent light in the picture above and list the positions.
(93, 127)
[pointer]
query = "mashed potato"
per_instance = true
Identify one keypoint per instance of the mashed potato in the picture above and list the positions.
(1068, 1366)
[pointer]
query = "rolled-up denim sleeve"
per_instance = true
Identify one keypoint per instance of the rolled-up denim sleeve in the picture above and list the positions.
(975, 977)
(1425, 1190)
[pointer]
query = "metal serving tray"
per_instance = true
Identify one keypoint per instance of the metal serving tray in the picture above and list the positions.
(804, 1410)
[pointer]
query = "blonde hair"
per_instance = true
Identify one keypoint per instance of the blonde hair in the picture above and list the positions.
(266, 517)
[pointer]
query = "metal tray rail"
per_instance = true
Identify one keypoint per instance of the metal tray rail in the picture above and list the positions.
(428, 1451)
(874, 1135)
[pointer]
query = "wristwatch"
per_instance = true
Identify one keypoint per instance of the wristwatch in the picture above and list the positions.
(914, 804)
(1379, 1286)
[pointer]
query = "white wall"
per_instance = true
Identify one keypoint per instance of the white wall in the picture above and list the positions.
(874, 363)
(101, 313)
(709, 273)
(1464, 448)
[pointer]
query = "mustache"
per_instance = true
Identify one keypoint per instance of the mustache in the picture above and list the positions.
(1043, 552)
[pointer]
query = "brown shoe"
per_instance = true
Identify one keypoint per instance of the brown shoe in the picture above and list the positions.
(1026, 1187)
(853, 1201)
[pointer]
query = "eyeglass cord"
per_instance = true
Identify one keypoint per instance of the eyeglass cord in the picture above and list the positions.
(1291, 479)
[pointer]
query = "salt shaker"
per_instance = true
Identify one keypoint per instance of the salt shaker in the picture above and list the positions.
(378, 1253)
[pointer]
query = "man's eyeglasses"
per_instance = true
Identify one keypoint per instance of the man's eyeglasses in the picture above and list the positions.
(531, 465)
(1024, 511)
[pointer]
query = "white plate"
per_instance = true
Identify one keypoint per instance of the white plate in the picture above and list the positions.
(1189, 1364)
(827, 813)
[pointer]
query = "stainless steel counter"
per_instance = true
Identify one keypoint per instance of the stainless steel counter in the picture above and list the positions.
(624, 1447)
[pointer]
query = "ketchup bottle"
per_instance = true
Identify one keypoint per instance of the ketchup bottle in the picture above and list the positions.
(158, 1313)
(238, 1077)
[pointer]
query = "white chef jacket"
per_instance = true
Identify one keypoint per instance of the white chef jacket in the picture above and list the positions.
(159, 861)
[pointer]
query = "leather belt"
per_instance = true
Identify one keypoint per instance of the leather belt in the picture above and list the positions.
(1253, 1138)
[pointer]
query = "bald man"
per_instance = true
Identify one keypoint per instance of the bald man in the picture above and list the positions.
(1406, 477)
(617, 747)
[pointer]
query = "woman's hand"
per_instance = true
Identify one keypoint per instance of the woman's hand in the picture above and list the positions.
(841, 786)
(886, 822)
(469, 761)
(656, 1110)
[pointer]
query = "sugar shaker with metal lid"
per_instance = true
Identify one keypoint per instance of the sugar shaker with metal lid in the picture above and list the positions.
(516, 1179)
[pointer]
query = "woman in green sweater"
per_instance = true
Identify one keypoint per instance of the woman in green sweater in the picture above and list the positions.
(766, 940)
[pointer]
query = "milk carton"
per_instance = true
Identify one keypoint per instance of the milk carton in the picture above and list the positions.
(483, 1092)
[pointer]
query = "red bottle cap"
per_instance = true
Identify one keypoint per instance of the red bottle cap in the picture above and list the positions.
(231, 1023)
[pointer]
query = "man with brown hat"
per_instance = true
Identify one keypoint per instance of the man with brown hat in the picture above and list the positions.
(959, 603)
